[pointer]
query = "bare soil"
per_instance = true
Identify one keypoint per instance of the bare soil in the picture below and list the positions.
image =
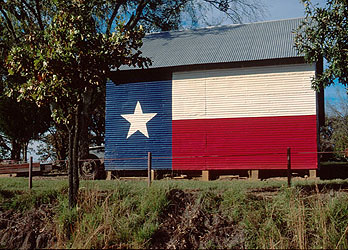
(185, 225)
(27, 230)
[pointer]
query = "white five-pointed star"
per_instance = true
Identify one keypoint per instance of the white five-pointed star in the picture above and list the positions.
(138, 121)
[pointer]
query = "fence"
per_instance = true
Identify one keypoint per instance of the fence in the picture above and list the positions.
(246, 161)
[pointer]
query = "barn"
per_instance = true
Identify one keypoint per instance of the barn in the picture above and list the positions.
(232, 97)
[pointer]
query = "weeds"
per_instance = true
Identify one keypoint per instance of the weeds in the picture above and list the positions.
(118, 214)
(292, 219)
(25, 200)
(126, 217)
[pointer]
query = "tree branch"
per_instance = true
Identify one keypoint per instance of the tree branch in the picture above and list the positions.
(133, 20)
(9, 24)
(113, 15)
(36, 14)
(3, 144)
(38, 11)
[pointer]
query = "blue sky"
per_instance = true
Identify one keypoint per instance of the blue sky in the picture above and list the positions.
(283, 9)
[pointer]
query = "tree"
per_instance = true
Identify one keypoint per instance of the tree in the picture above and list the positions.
(334, 135)
(4, 148)
(21, 122)
(53, 146)
(65, 50)
(164, 15)
(324, 34)
(69, 58)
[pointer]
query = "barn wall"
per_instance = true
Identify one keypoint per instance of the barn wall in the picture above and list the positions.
(244, 118)
(230, 118)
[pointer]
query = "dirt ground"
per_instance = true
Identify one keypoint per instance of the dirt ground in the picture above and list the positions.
(186, 226)
(27, 230)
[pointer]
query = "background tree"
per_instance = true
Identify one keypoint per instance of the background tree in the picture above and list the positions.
(4, 148)
(334, 135)
(22, 122)
(324, 34)
(165, 15)
(53, 144)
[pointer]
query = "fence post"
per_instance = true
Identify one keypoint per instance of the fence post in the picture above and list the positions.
(149, 159)
(30, 172)
(289, 166)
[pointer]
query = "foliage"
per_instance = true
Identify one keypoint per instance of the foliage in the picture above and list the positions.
(52, 145)
(22, 121)
(334, 135)
(70, 55)
(324, 33)
(4, 148)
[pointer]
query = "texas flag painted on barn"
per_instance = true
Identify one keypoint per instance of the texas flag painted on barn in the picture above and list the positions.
(218, 119)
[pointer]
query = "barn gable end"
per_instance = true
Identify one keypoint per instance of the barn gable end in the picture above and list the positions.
(231, 97)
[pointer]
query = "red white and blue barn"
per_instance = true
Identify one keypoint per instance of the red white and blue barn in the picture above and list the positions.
(227, 97)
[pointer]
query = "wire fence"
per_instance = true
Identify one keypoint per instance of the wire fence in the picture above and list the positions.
(254, 160)
(258, 158)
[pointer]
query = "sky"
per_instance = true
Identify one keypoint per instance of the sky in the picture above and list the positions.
(283, 9)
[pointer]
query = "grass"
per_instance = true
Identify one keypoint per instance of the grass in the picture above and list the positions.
(125, 214)
(125, 217)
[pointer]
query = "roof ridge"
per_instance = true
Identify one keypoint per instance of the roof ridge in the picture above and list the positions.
(223, 25)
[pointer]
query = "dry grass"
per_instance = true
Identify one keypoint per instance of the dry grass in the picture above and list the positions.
(127, 214)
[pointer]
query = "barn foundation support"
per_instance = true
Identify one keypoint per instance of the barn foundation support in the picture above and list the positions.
(108, 175)
(312, 173)
(154, 175)
(254, 174)
(206, 175)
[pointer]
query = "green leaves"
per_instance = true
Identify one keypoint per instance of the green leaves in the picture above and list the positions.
(324, 33)
(70, 55)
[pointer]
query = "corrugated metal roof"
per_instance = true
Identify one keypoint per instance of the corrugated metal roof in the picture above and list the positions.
(230, 43)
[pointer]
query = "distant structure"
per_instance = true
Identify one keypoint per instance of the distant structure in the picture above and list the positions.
(222, 98)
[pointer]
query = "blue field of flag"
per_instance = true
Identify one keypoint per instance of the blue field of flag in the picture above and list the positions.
(138, 121)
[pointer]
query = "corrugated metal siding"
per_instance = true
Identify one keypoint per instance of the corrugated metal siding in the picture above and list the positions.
(244, 143)
(218, 119)
(231, 116)
(230, 43)
(130, 153)
(244, 92)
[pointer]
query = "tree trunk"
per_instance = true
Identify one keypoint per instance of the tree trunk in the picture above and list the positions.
(16, 150)
(85, 118)
(25, 151)
(73, 161)
(76, 152)
(70, 166)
